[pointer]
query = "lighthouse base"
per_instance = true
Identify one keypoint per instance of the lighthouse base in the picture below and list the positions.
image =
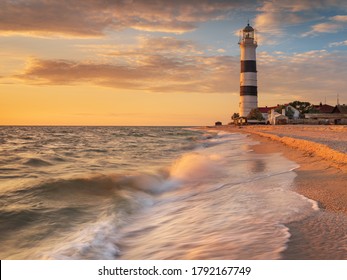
(247, 103)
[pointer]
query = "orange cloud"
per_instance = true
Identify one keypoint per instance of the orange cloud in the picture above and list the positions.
(169, 65)
(333, 25)
(161, 64)
(155, 73)
(341, 18)
(286, 76)
(149, 45)
(325, 27)
(90, 18)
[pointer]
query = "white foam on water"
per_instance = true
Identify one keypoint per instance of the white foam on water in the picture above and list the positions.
(197, 167)
(95, 241)
(231, 204)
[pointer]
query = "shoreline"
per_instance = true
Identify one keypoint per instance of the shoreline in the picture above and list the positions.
(329, 173)
(322, 177)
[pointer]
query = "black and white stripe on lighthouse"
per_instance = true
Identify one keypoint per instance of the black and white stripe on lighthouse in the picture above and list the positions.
(248, 77)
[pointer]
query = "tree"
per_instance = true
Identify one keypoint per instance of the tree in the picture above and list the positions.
(255, 114)
(312, 110)
(279, 109)
(235, 116)
(302, 107)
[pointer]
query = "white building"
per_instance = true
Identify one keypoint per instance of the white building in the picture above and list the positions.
(288, 111)
(277, 118)
(296, 113)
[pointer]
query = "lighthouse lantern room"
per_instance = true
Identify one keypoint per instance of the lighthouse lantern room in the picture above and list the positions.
(248, 77)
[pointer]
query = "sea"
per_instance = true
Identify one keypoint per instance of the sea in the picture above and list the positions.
(143, 193)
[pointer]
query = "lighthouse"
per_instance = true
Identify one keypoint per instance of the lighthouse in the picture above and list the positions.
(248, 77)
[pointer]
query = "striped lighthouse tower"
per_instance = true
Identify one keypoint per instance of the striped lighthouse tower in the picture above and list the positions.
(248, 77)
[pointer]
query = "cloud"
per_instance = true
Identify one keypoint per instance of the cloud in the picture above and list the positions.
(338, 44)
(281, 76)
(59, 72)
(166, 45)
(325, 27)
(275, 16)
(307, 75)
(91, 18)
(341, 18)
(333, 25)
(50, 17)
(151, 64)
(142, 50)
(152, 73)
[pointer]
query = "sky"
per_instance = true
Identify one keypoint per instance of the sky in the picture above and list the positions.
(151, 62)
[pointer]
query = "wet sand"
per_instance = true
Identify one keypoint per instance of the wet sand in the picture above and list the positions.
(322, 176)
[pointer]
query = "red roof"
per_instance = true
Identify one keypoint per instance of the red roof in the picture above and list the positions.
(324, 109)
(340, 109)
(266, 109)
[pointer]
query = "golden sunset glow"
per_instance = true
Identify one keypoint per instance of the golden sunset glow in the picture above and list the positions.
(138, 63)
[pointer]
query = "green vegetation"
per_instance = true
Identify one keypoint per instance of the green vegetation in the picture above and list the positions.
(255, 114)
(235, 116)
(304, 108)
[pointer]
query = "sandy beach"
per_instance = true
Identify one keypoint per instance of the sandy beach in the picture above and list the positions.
(322, 176)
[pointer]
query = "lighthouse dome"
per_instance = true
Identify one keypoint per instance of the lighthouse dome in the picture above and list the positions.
(248, 28)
